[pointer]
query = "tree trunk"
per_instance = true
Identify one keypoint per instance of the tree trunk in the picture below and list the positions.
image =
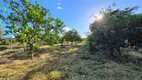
(71, 42)
(117, 51)
(25, 45)
(30, 53)
(61, 44)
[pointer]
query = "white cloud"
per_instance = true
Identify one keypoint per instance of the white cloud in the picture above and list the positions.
(59, 7)
(59, 3)
(66, 29)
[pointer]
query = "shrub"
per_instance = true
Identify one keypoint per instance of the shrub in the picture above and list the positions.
(116, 29)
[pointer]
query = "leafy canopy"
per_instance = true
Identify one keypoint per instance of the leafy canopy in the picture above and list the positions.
(114, 29)
(72, 36)
(31, 23)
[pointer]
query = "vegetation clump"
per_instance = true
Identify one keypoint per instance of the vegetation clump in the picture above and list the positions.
(118, 28)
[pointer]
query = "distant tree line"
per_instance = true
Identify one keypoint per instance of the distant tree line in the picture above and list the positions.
(70, 36)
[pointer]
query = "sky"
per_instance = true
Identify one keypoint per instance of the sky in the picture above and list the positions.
(76, 13)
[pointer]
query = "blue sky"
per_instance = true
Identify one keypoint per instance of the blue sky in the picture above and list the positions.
(76, 13)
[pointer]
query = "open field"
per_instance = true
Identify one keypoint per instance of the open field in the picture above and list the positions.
(70, 40)
(69, 63)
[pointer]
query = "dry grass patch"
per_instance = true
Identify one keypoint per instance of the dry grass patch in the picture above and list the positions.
(69, 63)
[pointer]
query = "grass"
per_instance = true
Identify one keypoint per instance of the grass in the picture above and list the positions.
(134, 54)
(69, 63)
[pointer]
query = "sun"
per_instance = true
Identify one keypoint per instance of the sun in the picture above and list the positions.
(99, 17)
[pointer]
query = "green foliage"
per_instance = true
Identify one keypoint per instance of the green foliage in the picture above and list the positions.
(72, 36)
(53, 29)
(4, 8)
(126, 42)
(61, 40)
(81, 70)
(116, 28)
(31, 24)
(92, 42)
(1, 31)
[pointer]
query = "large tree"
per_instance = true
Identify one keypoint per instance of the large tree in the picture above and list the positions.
(113, 29)
(31, 23)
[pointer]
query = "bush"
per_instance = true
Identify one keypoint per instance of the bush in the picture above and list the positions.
(115, 30)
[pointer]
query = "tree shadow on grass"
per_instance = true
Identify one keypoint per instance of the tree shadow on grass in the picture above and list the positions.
(17, 47)
(29, 74)
(60, 63)
(18, 56)
(66, 65)
(8, 53)
(54, 70)
(3, 48)
(45, 68)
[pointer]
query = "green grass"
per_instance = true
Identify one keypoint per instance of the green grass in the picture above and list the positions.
(69, 63)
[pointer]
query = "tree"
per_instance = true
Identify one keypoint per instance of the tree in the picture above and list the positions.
(31, 23)
(61, 40)
(2, 18)
(1, 32)
(72, 36)
(53, 31)
(110, 32)
(135, 30)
